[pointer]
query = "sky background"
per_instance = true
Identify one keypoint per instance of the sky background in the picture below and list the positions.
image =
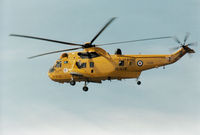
(167, 102)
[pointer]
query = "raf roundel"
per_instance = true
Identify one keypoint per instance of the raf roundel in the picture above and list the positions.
(140, 63)
(65, 70)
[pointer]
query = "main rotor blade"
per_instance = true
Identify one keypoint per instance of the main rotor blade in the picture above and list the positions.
(145, 39)
(50, 40)
(54, 52)
(106, 25)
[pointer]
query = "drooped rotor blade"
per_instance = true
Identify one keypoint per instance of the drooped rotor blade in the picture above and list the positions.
(106, 25)
(177, 40)
(145, 39)
(186, 37)
(54, 52)
(50, 40)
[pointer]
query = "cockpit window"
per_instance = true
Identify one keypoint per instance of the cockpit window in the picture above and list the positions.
(58, 64)
(65, 62)
(80, 65)
(121, 63)
(51, 70)
(88, 55)
(91, 64)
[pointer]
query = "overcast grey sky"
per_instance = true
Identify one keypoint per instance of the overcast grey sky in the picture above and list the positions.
(167, 102)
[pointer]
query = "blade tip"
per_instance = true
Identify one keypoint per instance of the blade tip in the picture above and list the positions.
(30, 57)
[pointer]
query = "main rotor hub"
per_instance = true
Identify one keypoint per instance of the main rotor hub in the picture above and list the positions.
(88, 45)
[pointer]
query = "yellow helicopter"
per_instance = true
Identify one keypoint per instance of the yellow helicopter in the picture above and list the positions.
(94, 64)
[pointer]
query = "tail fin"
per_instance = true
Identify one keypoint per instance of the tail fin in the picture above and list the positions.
(180, 53)
(188, 50)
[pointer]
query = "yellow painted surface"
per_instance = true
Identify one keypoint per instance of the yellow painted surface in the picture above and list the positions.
(107, 66)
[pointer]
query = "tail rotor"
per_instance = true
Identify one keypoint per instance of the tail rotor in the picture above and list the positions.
(184, 45)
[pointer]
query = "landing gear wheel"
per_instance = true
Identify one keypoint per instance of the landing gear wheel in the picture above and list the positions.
(72, 83)
(138, 82)
(85, 88)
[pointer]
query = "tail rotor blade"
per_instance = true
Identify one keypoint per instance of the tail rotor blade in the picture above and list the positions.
(186, 37)
(174, 48)
(184, 43)
(193, 44)
(177, 40)
(190, 55)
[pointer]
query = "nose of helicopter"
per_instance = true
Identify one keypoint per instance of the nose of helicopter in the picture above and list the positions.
(50, 73)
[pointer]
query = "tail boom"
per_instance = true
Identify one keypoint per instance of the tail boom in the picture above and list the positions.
(155, 61)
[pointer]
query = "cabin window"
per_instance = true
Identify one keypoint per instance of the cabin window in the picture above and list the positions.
(121, 63)
(130, 63)
(58, 64)
(91, 64)
(65, 62)
(83, 65)
(88, 55)
(80, 65)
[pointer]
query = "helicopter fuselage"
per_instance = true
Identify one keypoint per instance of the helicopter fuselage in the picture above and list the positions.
(95, 64)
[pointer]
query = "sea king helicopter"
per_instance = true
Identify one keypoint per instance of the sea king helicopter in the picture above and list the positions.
(94, 64)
